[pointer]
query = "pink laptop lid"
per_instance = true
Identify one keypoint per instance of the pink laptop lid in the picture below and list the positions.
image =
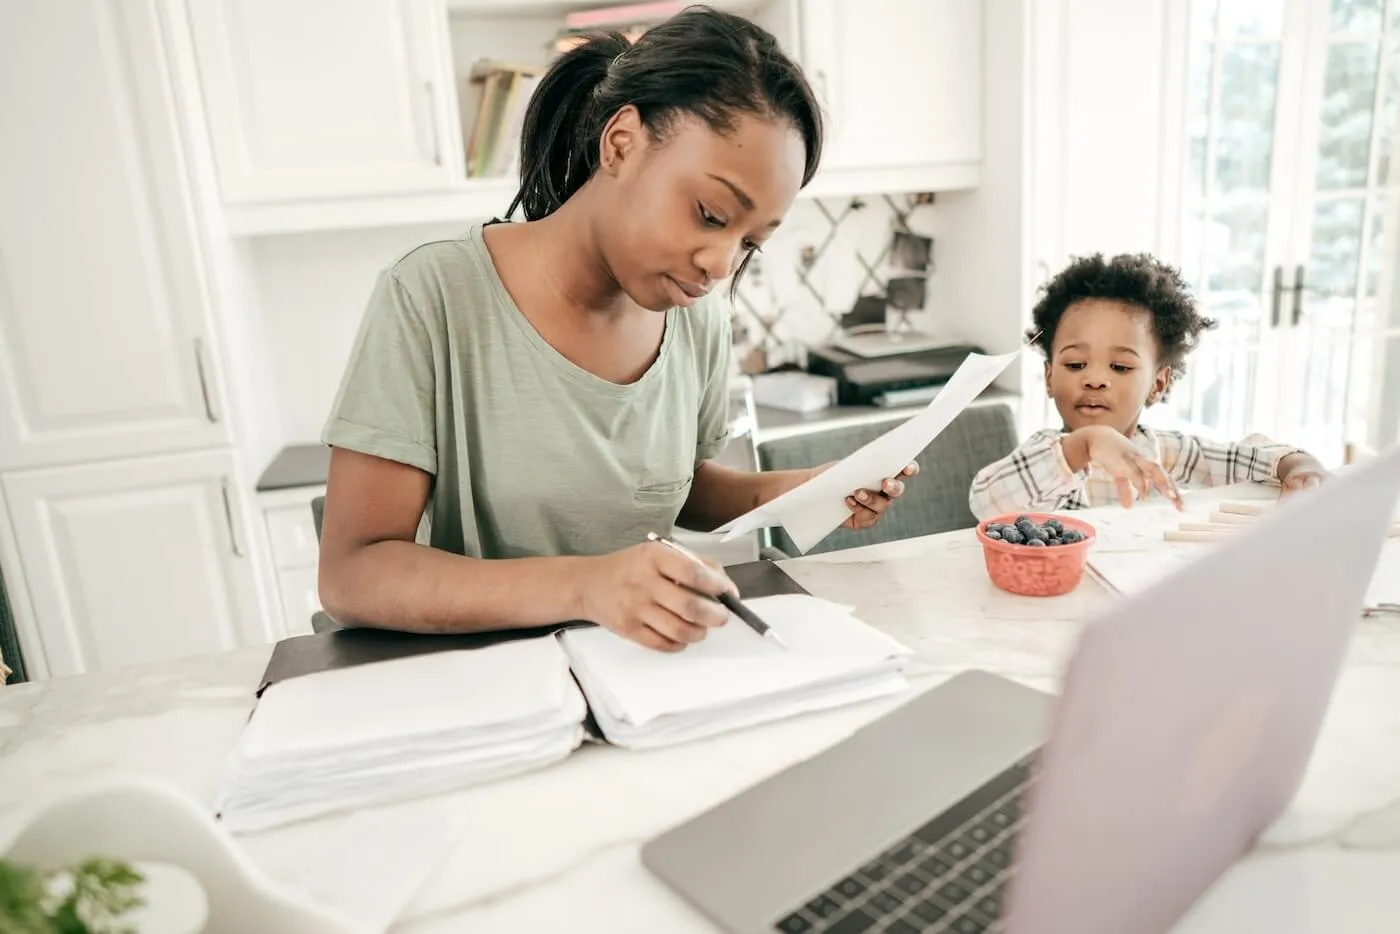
(1189, 713)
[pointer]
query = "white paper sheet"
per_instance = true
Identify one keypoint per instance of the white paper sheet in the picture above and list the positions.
(815, 509)
(735, 678)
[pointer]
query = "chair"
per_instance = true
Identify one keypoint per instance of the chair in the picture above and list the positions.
(934, 501)
(320, 620)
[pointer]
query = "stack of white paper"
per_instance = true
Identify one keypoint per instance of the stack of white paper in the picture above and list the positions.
(642, 698)
(382, 732)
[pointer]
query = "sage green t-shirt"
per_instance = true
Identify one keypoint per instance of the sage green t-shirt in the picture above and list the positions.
(530, 454)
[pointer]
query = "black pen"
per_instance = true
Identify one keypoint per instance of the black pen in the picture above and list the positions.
(729, 601)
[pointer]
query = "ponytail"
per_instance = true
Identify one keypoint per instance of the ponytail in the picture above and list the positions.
(711, 65)
(563, 124)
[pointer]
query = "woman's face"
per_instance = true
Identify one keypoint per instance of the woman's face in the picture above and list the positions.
(690, 206)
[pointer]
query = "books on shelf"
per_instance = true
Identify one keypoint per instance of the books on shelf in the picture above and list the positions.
(358, 723)
(505, 89)
(630, 19)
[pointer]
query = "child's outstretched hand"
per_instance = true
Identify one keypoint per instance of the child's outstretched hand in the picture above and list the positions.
(1298, 472)
(1132, 470)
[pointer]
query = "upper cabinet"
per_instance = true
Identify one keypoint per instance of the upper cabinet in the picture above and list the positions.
(105, 349)
(326, 98)
(345, 113)
(901, 82)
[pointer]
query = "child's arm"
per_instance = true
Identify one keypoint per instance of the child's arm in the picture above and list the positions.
(1035, 476)
(1201, 462)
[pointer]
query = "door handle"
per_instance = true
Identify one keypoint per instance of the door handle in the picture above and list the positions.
(1297, 295)
(1276, 297)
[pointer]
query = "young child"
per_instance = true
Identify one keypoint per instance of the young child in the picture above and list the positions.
(1116, 334)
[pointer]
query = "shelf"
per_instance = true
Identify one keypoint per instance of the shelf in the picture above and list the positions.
(481, 199)
(562, 8)
(478, 199)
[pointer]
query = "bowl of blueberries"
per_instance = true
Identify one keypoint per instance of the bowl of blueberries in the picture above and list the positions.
(1035, 554)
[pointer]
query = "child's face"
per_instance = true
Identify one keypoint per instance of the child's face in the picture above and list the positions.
(1103, 365)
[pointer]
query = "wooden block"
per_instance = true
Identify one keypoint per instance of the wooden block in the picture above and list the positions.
(1178, 535)
(1246, 509)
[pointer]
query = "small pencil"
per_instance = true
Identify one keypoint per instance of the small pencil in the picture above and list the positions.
(730, 602)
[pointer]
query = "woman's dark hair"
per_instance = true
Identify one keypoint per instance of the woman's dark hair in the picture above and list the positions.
(712, 65)
(1137, 279)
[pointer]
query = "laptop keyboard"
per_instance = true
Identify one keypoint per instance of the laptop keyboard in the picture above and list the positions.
(947, 876)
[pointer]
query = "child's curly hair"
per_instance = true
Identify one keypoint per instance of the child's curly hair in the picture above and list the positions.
(1137, 279)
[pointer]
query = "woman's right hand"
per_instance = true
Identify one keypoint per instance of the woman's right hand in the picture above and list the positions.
(1132, 470)
(655, 596)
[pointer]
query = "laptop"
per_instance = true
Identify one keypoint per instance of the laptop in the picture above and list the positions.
(1186, 719)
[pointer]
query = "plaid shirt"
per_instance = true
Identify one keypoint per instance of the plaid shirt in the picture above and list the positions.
(1036, 476)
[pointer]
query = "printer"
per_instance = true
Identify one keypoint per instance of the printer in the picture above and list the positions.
(890, 379)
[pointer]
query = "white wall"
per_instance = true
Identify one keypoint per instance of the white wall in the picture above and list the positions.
(1112, 61)
(312, 291)
(983, 276)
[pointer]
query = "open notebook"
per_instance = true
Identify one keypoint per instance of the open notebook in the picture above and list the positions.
(355, 718)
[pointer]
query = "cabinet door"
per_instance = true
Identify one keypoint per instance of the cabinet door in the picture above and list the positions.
(323, 98)
(135, 561)
(901, 80)
(103, 345)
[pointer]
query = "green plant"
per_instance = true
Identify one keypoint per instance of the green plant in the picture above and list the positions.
(88, 898)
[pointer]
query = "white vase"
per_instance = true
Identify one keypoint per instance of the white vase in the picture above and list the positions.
(154, 827)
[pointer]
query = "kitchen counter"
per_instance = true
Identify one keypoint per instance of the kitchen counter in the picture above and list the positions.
(297, 465)
(557, 849)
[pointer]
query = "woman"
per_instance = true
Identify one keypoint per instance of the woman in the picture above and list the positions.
(553, 390)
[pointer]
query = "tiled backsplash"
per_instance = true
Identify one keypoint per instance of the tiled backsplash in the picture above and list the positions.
(828, 253)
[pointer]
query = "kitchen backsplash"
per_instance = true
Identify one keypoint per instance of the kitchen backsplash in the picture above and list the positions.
(828, 253)
(312, 289)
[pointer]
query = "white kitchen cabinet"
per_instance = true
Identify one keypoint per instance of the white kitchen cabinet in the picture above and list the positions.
(135, 561)
(104, 344)
(292, 542)
(901, 84)
(326, 98)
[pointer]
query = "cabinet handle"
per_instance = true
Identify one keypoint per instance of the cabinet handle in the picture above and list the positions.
(204, 381)
(432, 122)
(233, 541)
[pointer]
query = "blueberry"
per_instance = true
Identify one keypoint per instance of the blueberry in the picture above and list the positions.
(1036, 543)
(1055, 524)
(1071, 536)
(994, 534)
(1012, 537)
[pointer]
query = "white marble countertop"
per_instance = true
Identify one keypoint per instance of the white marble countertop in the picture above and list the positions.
(557, 849)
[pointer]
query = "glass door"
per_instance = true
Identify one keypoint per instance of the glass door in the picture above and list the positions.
(1285, 198)
(1243, 65)
(1334, 327)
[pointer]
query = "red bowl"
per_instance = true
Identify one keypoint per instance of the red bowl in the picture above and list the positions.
(1036, 572)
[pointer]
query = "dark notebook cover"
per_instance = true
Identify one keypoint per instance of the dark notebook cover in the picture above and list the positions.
(345, 648)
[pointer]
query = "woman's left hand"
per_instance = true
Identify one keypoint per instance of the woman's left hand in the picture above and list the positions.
(867, 506)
